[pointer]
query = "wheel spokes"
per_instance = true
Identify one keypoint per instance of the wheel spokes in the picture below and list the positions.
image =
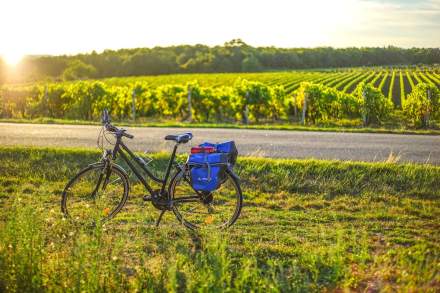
(95, 194)
(217, 208)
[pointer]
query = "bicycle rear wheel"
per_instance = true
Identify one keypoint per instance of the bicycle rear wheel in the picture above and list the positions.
(96, 194)
(219, 208)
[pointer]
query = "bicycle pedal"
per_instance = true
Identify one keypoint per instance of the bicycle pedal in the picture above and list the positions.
(147, 198)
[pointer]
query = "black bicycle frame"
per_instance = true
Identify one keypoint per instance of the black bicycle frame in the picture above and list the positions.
(120, 147)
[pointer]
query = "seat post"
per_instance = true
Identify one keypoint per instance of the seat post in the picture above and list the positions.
(170, 164)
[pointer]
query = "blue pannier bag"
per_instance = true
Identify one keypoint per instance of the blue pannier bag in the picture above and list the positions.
(208, 170)
(227, 147)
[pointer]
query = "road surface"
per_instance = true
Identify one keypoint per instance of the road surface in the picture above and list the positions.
(265, 143)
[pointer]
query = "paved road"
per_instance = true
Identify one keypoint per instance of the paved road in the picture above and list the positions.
(273, 143)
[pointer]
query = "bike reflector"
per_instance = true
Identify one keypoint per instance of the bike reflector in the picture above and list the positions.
(199, 149)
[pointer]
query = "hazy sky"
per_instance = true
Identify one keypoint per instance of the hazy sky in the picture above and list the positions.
(72, 26)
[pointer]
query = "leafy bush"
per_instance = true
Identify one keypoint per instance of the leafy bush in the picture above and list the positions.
(225, 96)
(424, 100)
(145, 98)
(172, 101)
(15, 100)
(47, 101)
(278, 103)
(375, 107)
(81, 99)
(204, 102)
(324, 103)
(254, 95)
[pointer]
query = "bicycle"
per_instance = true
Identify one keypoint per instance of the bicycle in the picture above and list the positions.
(100, 191)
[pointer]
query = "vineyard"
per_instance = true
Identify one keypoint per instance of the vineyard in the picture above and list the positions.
(232, 97)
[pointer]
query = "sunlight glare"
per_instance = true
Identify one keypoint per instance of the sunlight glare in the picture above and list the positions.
(12, 58)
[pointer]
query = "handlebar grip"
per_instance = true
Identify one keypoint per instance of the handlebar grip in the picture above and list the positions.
(128, 135)
(118, 131)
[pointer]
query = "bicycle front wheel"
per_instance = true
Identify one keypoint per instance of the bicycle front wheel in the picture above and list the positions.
(96, 194)
(218, 209)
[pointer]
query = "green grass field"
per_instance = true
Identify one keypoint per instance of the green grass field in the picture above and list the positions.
(307, 225)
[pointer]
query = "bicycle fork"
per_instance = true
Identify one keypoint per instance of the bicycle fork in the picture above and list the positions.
(105, 171)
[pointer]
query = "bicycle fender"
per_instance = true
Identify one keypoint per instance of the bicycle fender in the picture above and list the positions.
(232, 173)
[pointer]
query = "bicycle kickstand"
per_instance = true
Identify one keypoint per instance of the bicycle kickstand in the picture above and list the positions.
(160, 218)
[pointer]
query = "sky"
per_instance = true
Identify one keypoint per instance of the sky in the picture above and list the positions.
(30, 27)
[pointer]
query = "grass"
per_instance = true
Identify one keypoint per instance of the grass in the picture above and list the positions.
(354, 126)
(307, 225)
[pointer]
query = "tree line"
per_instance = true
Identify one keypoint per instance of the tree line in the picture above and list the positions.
(233, 56)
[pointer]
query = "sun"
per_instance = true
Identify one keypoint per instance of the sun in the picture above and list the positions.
(12, 58)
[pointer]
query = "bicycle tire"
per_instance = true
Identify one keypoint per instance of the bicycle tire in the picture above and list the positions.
(193, 226)
(115, 169)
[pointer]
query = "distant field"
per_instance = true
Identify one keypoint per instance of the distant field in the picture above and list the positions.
(395, 83)
(307, 225)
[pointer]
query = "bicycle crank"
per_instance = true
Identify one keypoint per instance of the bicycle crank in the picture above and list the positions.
(159, 201)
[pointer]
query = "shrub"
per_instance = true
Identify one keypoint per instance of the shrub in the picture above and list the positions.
(325, 103)
(80, 98)
(278, 103)
(375, 107)
(318, 104)
(255, 95)
(422, 103)
(172, 101)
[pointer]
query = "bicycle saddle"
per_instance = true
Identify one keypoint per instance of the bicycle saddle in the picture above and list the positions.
(180, 138)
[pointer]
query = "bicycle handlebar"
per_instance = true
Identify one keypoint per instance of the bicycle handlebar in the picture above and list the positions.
(111, 128)
(128, 135)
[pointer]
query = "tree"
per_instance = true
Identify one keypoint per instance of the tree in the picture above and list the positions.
(422, 104)
(250, 64)
(79, 70)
